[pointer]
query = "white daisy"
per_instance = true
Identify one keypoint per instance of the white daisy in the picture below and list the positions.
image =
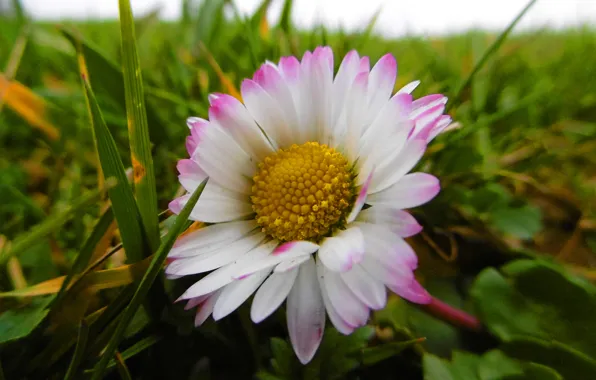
(307, 186)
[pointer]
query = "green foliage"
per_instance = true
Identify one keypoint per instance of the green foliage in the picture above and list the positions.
(517, 178)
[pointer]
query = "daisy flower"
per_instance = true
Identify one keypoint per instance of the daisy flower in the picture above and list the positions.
(308, 182)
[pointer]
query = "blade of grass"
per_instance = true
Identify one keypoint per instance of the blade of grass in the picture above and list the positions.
(154, 268)
(138, 129)
(124, 205)
(365, 36)
(79, 351)
(489, 52)
(14, 59)
(122, 369)
(137, 348)
(106, 78)
(84, 256)
(51, 224)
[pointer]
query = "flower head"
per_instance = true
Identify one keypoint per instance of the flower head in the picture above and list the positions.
(308, 185)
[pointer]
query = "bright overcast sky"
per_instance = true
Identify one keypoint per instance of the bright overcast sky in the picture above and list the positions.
(398, 17)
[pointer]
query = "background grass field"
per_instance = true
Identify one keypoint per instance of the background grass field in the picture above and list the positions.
(511, 238)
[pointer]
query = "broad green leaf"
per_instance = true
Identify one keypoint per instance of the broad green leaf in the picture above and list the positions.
(143, 288)
(51, 224)
(522, 222)
(123, 201)
(20, 322)
(494, 365)
(138, 129)
(534, 304)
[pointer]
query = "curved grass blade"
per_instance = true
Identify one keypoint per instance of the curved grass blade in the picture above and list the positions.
(122, 368)
(123, 201)
(84, 256)
(79, 351)
(51, 224)
(154, 268)
(138, 128)
(489, 52)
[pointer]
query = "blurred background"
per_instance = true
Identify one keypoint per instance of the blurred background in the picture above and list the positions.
(517, 169)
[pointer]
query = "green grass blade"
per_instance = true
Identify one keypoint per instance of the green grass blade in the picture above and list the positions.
(51, 224)
(84, 256)
(152, 272)
(365, 37)
(107, 79)
(138, 129)
(123, 201)
(489, 52)
(285, 20)
(79, 351)
(137, 348)
(122, 368)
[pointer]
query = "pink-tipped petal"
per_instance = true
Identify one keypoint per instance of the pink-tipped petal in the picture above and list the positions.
(194, 302)
(347, 305)
(382, 81)
(389, 249)
(413, 292)
(290, 264)
(234, 118)
(306, 313)
(206, 308)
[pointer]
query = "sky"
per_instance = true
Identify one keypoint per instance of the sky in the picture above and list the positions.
(397, 18)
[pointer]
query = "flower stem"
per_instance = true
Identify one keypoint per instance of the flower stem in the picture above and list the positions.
(451, 315)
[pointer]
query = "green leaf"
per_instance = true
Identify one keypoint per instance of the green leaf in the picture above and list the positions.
(123, 201)
(51, 224)
(18, 323)
(373, 355)
(534, 304)
(284, 361)
(494, 365)
(138, 129)
(79, 351)
(522, 222)
(143, 288)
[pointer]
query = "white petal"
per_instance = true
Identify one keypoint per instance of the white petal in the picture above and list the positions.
(215, 258)
(340, 324)
(216, 204)
(209, 238)
(220, 156)
(224, 275)
(286, 251)
(389, 276)
(355, 115)
(206, 308)
(400, 221)
(306, 313)
(359, 203)
(348, 69)
(194, 302)
(237, 292)
(402, 164)
(340, 252)
(271, 294)
(410, 191)
(382, 81)
(290, 264)
(229, 113)
(388, 248)
(368, 289)
(409, 88)
(191, 174)
(347, 305)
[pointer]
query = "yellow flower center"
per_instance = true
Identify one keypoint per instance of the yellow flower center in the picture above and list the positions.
(303, 192)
